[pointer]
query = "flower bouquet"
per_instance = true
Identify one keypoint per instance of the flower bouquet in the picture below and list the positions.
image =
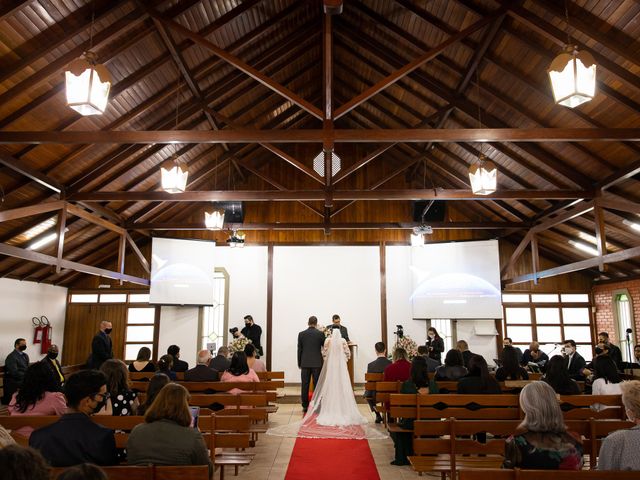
(409, 346)
(238, 344)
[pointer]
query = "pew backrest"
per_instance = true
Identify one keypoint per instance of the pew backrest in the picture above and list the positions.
(149, 472)
(518, 474)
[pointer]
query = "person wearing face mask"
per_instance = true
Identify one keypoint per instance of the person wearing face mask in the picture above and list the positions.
(253, 332)
(619, 451)
(101, 346)
(507, 342)
(75, 438)
(573, 360)
(15, 367)
(53, 365)
(435, 345)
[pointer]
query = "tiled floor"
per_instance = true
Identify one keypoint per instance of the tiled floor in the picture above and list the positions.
(273, 453)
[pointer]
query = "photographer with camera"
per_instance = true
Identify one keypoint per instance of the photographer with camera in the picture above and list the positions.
(253, 332)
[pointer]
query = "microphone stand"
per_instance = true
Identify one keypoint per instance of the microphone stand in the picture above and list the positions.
(630, 362)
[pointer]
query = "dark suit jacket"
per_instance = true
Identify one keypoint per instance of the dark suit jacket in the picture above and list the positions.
(253, 333)
(378, 365)
(576, 366)
(526, 358)
(438, 347)
(75, 439)
(345, 333)
(51, 365)
(466, 356)
(101, 350)
(15, 366)
(201, 373)
(310, 343)
(180, 365)
(616, 355)
(220, 363)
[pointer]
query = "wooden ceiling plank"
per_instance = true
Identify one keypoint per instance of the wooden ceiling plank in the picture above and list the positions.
(415, 64)
(621, 205)
(577, 210)
(10, 7)
(577, 266)
(38, 177)
(239, 64)
(341, 175)
(517, 253)
(90, 217)
(21, 212)
(60, 230)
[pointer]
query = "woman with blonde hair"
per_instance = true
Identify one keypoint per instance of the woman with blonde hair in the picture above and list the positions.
(619, 451)
(165, 437)
(543, 442)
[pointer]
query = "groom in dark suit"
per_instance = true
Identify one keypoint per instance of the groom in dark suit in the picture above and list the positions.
(310, 343)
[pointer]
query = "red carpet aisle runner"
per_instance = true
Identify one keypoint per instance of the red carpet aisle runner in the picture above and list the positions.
(326, 459)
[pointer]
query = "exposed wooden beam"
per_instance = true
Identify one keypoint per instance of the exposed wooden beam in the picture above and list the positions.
(173, 226)
(37, 257)
(601, 239)
(122, 247)
(579, 209)
(417, 63)
(517, 253)
(138, 253)
(418, 135)
(310, 195)
(37, 209)
(332, 7)
(631, 170)
(620, 256)
(32, 174)
(61, 227)
(344, 173)
(620, 205)
(90, 217)
(239, 64)
(535, 258)
(12, 6)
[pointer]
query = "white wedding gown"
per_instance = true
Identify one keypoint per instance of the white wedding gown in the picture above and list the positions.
(332, 412)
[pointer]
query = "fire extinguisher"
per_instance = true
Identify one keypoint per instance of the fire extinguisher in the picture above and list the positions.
(42, 333)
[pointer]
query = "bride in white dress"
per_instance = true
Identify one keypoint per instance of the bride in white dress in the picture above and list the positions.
(333, 412)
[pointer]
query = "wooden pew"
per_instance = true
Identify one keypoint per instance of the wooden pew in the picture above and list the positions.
(150, 472)
(575, 407)
(518, 474)
(269, 376)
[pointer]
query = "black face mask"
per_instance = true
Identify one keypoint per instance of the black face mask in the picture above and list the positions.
(108, 330)
(22, 348)
(52, 355)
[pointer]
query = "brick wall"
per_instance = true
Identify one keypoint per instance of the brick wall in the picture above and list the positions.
(603, 301)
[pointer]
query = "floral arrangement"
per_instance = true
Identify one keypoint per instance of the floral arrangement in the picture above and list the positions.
(327, 331)
(238, 344)
(409, 346)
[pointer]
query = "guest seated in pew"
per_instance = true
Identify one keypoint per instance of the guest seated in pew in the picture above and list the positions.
(431, 363)
(557, 376)
(75, 439)
(165, 365)
(606, 379)
(377, 366)
(254, 363)
(165, 437)
(156, 383)
(38, 395)
(239, 371)
(619, 451)
(22, 463)
(202, 372)
(178, 365)
(143, 362)
(545, 443)
(400, 369)
(86, 471)
(478, 380)
(122, 400)
(418, 383)
(463, 347)
(221, 362)
(510, 369)
(574, 362)
(533, 354)
(453, 368)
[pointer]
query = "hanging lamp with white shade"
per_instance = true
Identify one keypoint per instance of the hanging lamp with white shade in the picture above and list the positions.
(87, 85)
(573, 77)
(214, 220)
(483, 176)
(174, 175)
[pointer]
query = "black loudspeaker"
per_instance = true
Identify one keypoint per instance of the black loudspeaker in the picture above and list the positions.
(233, 211)
(435, 213)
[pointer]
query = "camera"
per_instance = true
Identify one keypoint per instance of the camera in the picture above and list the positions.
(400, 331)
(599, 351)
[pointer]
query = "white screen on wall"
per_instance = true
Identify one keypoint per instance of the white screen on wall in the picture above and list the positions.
(456, 280)
(182, 272)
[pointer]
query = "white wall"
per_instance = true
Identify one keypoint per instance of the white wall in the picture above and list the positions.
(322, 281)
(20, 302)
(485, 345)
(179, 326)
(248, 271)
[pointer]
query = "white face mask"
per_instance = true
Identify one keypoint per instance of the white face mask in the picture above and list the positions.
(568, 350)
(431, 335)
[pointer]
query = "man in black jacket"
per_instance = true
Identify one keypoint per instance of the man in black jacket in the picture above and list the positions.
(202, 372)
(15, 366)
(573, 360)
(614, 351)
(55, 369)
(178, 365)
(310, 342)
(75, 439)
(253, 332)
(101, 346)
(377, 366)
(221, 361)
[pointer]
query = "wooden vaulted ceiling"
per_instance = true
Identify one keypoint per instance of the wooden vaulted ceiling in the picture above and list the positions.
(262, 86)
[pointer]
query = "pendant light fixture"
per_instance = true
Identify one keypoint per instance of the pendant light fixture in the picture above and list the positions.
(483, 174)
(214, 220)
(572, 74)
(87, 82)
(174, 173)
